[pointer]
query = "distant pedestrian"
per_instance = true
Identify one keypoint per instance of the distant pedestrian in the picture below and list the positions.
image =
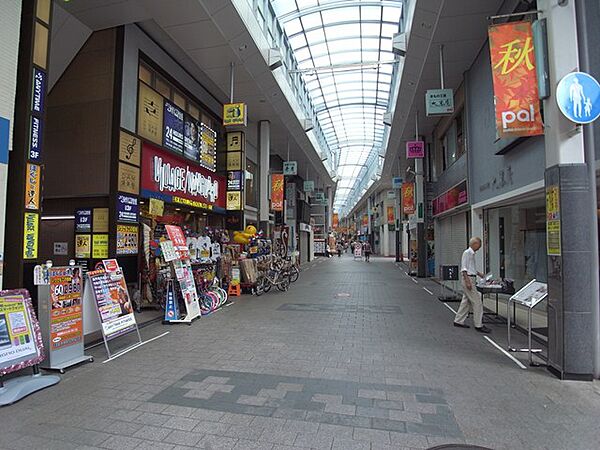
(367, 251)
(470, 297)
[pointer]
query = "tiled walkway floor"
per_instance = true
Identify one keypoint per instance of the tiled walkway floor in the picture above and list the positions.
(354, 356)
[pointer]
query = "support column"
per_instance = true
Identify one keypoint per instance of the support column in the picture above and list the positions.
(419, 196)
(264, 149)
(572, 330)
(329, 222)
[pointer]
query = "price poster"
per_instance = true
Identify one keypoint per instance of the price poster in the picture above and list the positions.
(179, 242)
(113, 303)
(187, 285)
(66, 322)
(17, 339)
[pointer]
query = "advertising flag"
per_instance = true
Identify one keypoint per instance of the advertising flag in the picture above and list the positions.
(408, 198)
(515, 81)
(277, 182)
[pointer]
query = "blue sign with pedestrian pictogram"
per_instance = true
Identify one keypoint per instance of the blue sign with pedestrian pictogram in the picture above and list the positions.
(578, 97)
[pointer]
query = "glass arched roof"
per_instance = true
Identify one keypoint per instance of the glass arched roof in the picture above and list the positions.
(344, 54)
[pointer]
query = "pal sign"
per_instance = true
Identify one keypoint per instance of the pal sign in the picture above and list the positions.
(578, 97)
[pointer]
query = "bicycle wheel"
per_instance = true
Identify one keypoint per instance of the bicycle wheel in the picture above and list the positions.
(284, 284)
(294, 274)
(259, 289)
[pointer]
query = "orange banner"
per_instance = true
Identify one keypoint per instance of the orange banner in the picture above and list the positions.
(365, 220)
(391, 216)
(408, 198)
(277, 192)
(335, 220)
(515, 80)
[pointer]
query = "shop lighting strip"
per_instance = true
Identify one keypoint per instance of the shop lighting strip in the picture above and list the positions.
(58, 218)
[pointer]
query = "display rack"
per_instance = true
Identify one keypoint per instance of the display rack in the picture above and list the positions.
(531, 295)
(449, 273)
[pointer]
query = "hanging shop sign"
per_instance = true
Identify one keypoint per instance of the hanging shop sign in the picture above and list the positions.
(234, 161)
(191, 138)
(179, 241)
(32, 186)
(20, 338)
(408, 198)
(235, 141)
(290, 195)
(83, 221)
(208, 148)
(319, 197)
(60, 248)
(335, 220)
(397, 182)
(578, 97)
(290, 168)
(391, 195)
(83, 246)
(452, 198)
(235, 114)
(128, 179)
(156, 207)
(66, 320)
(35, 139)
(173, 127)
(127, 240)
(30, 235)
(38, 91)
(391, 215)
(365, 220)
(127, 208)
(515, 80)
(415, 149)
(100, 246)
(234, 201)
(150, 114)
(176, 180)
(100, 220)
(112, 302)
(130, 148)
(439, 102)
(277, 192)
(553, 229)
(235, 180)
(309, 186)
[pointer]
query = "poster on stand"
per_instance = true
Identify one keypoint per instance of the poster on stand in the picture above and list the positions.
(187, 285)
(66, 316)
(168, 251)
(112, 301)
(171, 307)
(20, 338)
(179, 241)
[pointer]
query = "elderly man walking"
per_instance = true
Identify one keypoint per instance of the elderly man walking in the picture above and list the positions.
(470, 296)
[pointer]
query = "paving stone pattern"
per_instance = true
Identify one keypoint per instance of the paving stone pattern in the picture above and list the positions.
(378, 367)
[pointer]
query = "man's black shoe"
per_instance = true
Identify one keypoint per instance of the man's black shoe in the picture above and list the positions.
(461, 325)
(483, 329)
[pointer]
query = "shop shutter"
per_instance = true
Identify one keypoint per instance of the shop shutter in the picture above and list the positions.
(450, 240)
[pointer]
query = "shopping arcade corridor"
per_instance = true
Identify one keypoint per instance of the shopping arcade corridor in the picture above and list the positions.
(355, 355)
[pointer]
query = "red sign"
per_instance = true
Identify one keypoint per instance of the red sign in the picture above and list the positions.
(515, 80)
(176, 180)
(277, 181)
(391, 216)
(179, 241)
(415, 149)
(335, 221)
(365, 221)
(408, 198)
(452, 198)
(110, 265)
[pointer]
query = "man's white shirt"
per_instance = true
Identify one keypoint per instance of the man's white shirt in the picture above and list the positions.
(467, 262)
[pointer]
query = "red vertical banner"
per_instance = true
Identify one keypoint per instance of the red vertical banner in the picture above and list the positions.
(176, 236)
(277, 192)
(408, 198)
(365, 220)
(391, 216)
(515, 81)
(335, 222)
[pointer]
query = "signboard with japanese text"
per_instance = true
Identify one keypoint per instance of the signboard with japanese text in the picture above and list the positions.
(415, 149)
(100, 224)
(173, 179)
(235, 141)
(208, 147)
(38, 91)
(35, 139)
(168, 251)
(32, 186)
(235, 114)
(234, 161)
(191, 139)
(100, 246)
(439, 102)
(30, 235)
(397, 182)
(127, 208)
(234, 201)
(452, 198)
(408, 198)
(179, 241)
(127, 240)
(553, 229)
(150, 114)
(515, 81)
(290, 168)
(277, 192)
(391, 215)
(173, 127)
(309, 186)
(83, 221)
(156, 207)
(83, 246)
(235, 180)
(66, 321)
(130, 148)
(128, 179)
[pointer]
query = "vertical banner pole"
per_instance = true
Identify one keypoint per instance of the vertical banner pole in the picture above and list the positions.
(231, 75)
(442, 66)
